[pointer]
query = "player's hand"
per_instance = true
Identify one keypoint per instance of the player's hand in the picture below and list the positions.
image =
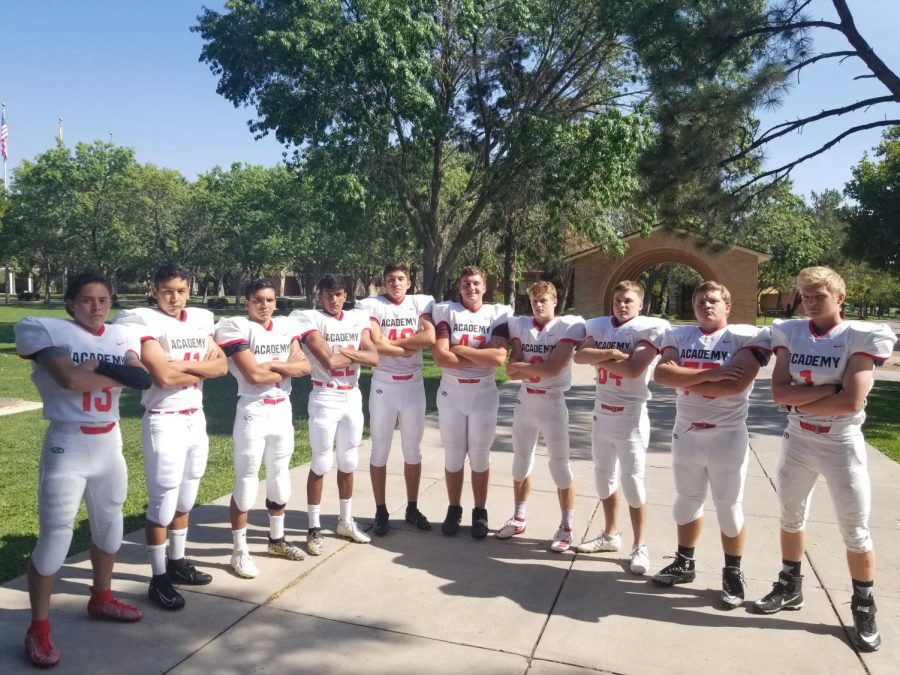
(618, 355)
(90, 364)
(213, 352)
(409, 352)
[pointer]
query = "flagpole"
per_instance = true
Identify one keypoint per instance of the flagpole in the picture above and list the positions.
(5, 177)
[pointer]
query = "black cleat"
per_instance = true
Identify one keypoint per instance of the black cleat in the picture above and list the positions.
(381, 522)
(866, 637)
(183, 572)
(479, 523)
(733, 587)
(786, 593)
(450, 526)
(417, 518)
(163, 594)
(679, 571)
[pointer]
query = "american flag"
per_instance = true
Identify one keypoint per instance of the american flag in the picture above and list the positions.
(4, 134)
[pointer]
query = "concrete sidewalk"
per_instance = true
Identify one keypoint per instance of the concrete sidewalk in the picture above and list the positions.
(422, 602)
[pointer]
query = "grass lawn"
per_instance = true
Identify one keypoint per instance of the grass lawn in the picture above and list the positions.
(882, 427)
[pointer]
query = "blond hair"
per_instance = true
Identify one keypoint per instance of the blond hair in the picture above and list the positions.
(708, 286)
(632, 286)
(822, 276)
(539, 288)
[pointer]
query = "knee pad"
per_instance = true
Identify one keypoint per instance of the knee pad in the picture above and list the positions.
(731, 519)
(348, 460)
(187, 495)
(161, 507)
(274, 506)
(561, 472)
(322, 462)
(454, 459)
(857, 538)
(686, 510)
(196, 462)
(51, 550)
(278, 491)
(412, 455)
(634, 491)
(480, 460)
(523, 464)
(244, 494)
(107, 534)
(605, 483)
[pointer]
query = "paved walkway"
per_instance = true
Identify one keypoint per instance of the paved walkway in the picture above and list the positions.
(415, 602)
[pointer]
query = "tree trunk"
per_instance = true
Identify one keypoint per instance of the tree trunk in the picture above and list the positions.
(509, 263)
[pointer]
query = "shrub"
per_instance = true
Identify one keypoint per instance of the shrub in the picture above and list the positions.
(284, 304)
(26, 295)
(217, 303)
(151, 301)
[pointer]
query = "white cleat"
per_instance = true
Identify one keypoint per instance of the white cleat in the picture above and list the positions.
(243, 564)
(351, 531)
(640, 559)
(603, 543)
(562, 540)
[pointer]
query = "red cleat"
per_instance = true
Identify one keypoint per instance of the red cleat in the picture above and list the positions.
(40, 650)
(112, 609)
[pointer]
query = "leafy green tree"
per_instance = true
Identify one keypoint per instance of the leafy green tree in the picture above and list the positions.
(873, 235)
(242, 208)
(447, 106)
(106, 185)
(711, 64)
(38, 227)
(158, 211)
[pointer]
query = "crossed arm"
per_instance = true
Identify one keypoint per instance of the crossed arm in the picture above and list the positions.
(366, 355)
(519, 369)
(174, 374)
(492, 355)
(615, 361)
(824, 399)
(271, 372)
(725, 380)
(407, 346)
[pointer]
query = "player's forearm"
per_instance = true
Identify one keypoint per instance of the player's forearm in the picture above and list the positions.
(679, 377)
(722, 387)
(291, 367)
(261, 374)
(592, 355)
(387, 348)
(81, 379)
(842, 403)
(172, 375)
(544, 369)
(513, 370)
(800, 394)
(629, 370)
(365, 357)
(207, 369)
(488, 357)
(416, 342)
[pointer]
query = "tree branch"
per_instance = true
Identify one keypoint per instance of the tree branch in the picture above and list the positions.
(785, 169)
(878, 67)
(819, 57)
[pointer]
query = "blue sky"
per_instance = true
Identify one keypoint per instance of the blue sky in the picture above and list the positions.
(131, 68)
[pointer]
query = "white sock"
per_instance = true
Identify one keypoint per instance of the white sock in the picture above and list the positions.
(345, 509)
(568, 518)
(240, 539)
(520, 511)
(276, 526)
(314, 510)
(157, 555)
(177, 542)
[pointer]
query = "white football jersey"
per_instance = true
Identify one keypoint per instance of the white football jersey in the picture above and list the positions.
(697, 349)
(608, 333)
(822, 359)
(538, 341)
(110, 344)
(470, 328)
(182, 339)
(266, 344)
(344, 330)
(397, 320)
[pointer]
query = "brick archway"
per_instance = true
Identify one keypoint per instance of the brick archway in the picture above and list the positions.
(596, 273)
